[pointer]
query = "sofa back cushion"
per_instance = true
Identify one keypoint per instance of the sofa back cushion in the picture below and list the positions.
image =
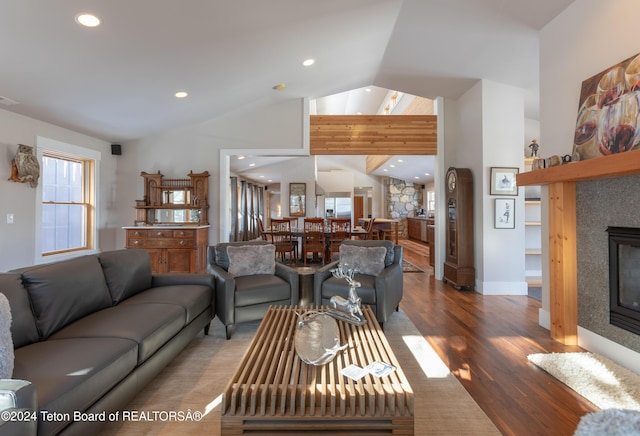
(6, 342)
(127, 272)
(23, 326)
(63, 292)
(389, 245)
(218, 254)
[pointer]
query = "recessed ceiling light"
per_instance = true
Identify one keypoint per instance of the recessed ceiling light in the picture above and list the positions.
(385, 170)
(308, 62)
(88, 20)
(240, 157)
(426, 174)
(367, 89)
(181, 94)
(400, 160)
(269, 180)
(252, 165)
(392, 165)
(416, 177)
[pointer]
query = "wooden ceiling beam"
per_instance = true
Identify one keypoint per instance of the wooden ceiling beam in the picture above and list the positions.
(373, 135)
(376, 161)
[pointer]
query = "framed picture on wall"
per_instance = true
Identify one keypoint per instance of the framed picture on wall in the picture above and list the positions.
(503, 181)
(297, 199)
(505, 211)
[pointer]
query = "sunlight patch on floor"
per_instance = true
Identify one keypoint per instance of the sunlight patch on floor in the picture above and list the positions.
(212, 405)
(427, 358)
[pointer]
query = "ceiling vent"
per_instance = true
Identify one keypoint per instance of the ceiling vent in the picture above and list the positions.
(7, 101)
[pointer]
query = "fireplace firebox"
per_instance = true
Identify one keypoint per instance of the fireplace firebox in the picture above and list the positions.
(624, 278)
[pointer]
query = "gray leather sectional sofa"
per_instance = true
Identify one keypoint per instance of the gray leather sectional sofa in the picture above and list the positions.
(91, 332)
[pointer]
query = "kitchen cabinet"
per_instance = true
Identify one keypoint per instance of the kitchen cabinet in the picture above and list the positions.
(431, 237)
(417, 228)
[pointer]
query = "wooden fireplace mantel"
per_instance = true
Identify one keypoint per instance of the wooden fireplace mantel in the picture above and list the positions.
(563, 279)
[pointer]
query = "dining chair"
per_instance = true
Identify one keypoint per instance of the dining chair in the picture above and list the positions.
(371, 232)
(263, 235)
(283, 239)
(340, 231)
(313, 240)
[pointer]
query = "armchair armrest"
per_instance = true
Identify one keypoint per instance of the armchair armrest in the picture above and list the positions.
(320, 276)
(290, 275)
(225, 289)
(19, 398)
(389, 287)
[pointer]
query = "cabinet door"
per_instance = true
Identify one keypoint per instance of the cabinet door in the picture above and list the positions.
(178, 260)
(156, 257)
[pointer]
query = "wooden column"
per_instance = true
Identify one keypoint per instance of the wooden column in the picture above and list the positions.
(563, 263)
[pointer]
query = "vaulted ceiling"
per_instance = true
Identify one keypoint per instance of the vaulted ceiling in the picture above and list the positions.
(117, 81)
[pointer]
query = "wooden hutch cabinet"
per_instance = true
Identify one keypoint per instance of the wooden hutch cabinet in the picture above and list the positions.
(172, 223)
(459, 265)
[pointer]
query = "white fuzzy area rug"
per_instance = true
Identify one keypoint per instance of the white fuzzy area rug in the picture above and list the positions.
(598, 379)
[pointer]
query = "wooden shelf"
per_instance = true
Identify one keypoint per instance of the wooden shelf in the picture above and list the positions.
(615, 165)
(532, 223)
(533, 251)
(533, 202)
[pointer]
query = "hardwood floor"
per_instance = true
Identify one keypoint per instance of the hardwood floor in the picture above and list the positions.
(485, 341)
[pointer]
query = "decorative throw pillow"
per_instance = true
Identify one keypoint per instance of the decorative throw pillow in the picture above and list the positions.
(368, 260)
(6, 343)
(248, 260)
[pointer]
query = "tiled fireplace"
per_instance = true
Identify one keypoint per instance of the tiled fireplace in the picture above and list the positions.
(601, 204)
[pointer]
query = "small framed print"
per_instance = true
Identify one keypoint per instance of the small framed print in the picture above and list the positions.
(503, 181)
(505, 211)
(297, 199)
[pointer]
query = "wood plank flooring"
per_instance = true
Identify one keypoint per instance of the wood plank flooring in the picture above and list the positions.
(485, 341)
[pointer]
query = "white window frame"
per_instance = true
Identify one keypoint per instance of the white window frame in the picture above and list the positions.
(51, 145)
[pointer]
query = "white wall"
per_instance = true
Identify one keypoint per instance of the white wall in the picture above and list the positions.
(587, 38)
(17, 244)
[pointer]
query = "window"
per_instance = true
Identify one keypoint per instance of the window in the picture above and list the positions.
(431, 201)
(66, 217)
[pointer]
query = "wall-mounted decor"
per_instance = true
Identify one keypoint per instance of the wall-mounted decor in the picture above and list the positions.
(25, 167)
(505, 210)
(608, 111)
(503, 181)
(297, 199)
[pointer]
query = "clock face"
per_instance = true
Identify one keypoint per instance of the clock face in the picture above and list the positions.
(451, 181)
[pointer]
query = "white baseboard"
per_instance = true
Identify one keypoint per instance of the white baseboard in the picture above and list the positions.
(503, 288)
(618, 353)
(544, 318)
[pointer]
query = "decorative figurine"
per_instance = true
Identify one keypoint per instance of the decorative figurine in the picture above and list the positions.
(25, 167)
(534, 147)
(348, 310)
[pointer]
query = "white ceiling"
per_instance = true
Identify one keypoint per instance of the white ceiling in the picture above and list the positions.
(117, 81)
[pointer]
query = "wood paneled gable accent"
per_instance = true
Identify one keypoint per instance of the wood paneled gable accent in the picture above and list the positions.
(375, 162)
(373, 134)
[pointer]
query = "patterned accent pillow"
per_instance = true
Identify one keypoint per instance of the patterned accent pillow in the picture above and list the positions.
(367, 260)
(249, 260)
(6, 342)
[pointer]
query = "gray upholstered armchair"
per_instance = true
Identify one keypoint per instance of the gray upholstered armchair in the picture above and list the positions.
(382, 290)
(249, 280)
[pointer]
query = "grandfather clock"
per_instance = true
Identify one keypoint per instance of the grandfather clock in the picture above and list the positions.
(458, 266)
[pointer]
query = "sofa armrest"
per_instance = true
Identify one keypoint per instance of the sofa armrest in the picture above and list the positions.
(159, 280)
(389, 287)
(225, 290)
(290, 275)
(19, 398)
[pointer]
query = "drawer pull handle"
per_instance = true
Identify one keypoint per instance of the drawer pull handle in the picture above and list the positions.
(160, 234)
(136, 242)
(136, 233)
(181, 233)
(182, 242)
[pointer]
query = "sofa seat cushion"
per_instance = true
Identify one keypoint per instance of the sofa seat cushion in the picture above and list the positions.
(149, 325)
(72, 374)
(195, 299)
(333, 286)
(261, 288)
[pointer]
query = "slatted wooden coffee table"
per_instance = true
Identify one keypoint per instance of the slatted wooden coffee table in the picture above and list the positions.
(274, 392)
